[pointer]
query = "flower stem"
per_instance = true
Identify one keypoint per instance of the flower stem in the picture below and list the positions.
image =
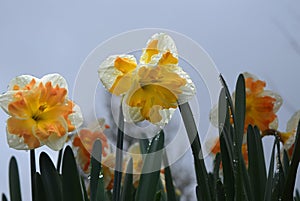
(119, 158)
(33, 171)
(200, 169)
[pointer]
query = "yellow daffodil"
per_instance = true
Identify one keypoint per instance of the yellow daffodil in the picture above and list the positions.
(40, 112)
(83, 142)
(152, 89)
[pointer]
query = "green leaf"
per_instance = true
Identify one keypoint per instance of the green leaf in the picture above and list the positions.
(220, 191)
(239, 122)
(39, 188)
(119, 157)
(246, 182)
(50, 179)
(14, 181)
(292, 172)
(240, 109)
(227, 169)
(70, 177)
(200, 169)
(256, 166)
(95, 170)
(149, 179)
(279, 177)
(144, 145)
(127, 192)
(224, 123)
(171, 195)
(286, 162)
(4, 197)
(228, 95)
(158, 196)
(269, 184)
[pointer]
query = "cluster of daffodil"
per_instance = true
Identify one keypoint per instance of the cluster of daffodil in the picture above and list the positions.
(261, 108)
(40, 113)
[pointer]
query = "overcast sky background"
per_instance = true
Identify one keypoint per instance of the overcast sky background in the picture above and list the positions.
(39, 37)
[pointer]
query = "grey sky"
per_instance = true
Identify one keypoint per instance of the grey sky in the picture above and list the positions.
(38, 38)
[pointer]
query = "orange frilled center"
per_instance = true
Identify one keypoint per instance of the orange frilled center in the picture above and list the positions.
(39, 111)
(157, 89)
(259, 108)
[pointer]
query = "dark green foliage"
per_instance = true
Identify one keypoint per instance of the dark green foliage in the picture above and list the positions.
(14, 181)
(146, 190)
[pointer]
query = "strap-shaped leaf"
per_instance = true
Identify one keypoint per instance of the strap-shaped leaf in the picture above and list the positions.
(14, 181)
(269, 184)
(239, 122)
(39, 188)
(95, 170)
(227, 170)
(4, 197)
(119, 157)
(292, 172)
(127, 191)
(50, 178)
(70, 177)
(171, 195)
(146, 190)
(200, 168)
(256, 165)
(220, 191)
(246, 182)
(240, 109)
(279, 177)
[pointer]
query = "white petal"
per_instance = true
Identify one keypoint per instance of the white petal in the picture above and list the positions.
(76, 117)
(188, 90)
(289, 143)
(165, 43)
(55, 79)
(107, 71)
(210, 143)
(214, 116)
(55, 142)
(131, 114)
(97, 125)
(21, 81)
(276, 96)
(249, 75)
(274, 124)
(16, 142)
(6, 99)
(293, 122)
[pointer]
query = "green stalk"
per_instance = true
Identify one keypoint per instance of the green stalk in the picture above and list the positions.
(200, 169)
(119, 158)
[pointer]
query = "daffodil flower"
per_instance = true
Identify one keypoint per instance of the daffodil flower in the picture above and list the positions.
(152, 89)
(261, 105)
(83, 143)
(288, 137)
(40, 112)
